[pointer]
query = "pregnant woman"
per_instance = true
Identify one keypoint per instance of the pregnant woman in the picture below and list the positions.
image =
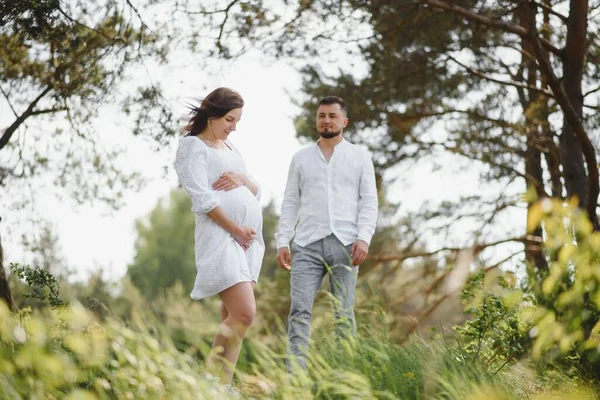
(228, 234)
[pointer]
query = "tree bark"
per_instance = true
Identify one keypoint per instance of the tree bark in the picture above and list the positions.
(576, 148)
(5, 293)
(533, 118)
(571, 153)
(572, 149)
(551, 151)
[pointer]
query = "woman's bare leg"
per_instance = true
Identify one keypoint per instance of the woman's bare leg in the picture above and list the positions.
(224, 312)
(238, 309)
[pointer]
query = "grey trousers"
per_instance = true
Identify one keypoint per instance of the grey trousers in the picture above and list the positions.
(309, 266)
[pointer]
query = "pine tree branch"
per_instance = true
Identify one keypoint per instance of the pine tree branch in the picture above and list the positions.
(81, 24)
(9, 102)
(500, 81)
(527, 240)
(516, 29)
(26, 114)
(220, 11)
(413, 117)
(222, 27)
(591, 92)
(551, 11)
(48, 111)
(135, 10)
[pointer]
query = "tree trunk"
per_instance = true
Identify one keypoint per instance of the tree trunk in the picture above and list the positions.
(533, 128)
(5, 293)
(571, 153)
(551, 151)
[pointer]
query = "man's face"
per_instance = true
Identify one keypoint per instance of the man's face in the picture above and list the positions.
(331, 120)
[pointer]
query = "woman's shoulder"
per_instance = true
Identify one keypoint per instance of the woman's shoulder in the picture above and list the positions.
(190, 145)
(189, 141)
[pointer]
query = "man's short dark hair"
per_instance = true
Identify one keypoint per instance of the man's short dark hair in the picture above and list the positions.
(327, 100)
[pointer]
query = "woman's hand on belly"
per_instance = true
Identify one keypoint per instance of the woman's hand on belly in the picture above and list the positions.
(244, 236)
(230, 180)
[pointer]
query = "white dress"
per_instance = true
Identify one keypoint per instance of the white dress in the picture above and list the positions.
(220, 261)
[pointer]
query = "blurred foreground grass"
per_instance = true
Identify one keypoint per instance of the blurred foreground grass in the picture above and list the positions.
(69, 352)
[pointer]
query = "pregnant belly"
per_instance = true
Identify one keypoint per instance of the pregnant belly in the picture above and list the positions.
(241, 206)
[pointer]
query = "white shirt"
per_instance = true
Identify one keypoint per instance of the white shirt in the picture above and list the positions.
(339, 196)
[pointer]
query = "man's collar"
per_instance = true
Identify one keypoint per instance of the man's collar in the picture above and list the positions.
(336, 145)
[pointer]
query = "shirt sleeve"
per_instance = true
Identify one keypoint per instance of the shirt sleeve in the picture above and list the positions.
(290, 207)
(368, 202)
(191, 165)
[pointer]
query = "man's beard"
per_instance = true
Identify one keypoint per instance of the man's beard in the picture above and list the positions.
(329, 135)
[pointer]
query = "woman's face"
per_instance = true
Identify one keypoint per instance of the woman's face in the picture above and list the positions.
(222, 127)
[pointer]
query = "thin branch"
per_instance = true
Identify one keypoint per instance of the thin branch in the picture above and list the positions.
(526, 240)
(499, 263)
(591, 15)
(203, 12)
(518, 50)
(456, 150)
(48, 111)
(401, 119)
(495, 121)
(67, 16)
(506, 12)
(539, 186)
(499, 207)
(591, 92)
(516, 76)
(26, 114)
(551, 11)
(501, 82)
(342, 41)
(222, 28)
(135, 10)
(516, 29)
(9, 103)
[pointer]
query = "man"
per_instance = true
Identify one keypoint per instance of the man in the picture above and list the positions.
(331, 195)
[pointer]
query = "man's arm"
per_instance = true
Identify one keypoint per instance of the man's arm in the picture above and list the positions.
(290, 207)
(367, 211)
(367, 206)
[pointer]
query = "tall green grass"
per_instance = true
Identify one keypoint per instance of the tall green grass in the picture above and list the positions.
(375, 368)
(156, 351)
